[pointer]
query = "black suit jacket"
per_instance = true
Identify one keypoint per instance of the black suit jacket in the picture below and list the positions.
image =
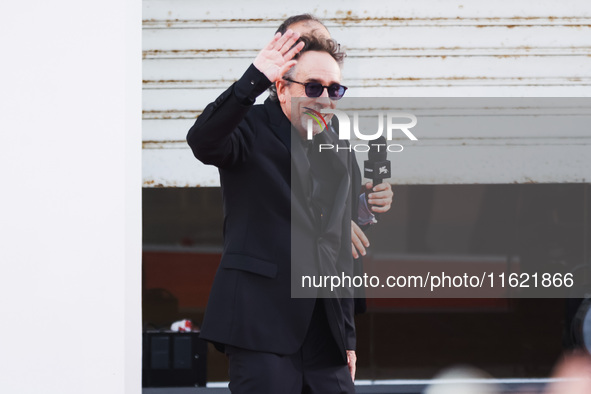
(356, 188)
(268, 221)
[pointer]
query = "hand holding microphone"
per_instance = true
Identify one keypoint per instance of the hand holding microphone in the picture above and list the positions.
(377, 168)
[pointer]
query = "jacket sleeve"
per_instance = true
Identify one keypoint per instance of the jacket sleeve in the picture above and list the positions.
(221, 135)
(348, 305)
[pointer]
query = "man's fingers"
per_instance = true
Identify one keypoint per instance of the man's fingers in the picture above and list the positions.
(378, 209)
(354, 251)
(382, 186)
(281, 40)
(357, 244)
(358, 240)
(352, 363)
(293, 51)
(286, 41)
(381, 198)
(378, 196)
(358, 232)
(286, 67)
(289, 44)
(387, 194)
(271, 43)
(379, 201)
(381, 194)
(383, 190)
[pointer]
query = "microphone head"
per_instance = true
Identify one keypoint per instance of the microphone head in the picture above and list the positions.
(377, 167)
(377, 150)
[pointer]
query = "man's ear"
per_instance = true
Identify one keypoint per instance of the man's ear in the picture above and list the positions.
(280, 86)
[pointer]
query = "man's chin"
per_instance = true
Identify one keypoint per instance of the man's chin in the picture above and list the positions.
(318, 131)
(315, 131)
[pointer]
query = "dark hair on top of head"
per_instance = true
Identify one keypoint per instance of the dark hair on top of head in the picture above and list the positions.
(295, 19)
(314, 43)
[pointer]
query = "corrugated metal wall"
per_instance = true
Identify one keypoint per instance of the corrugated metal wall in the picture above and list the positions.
(193, 50)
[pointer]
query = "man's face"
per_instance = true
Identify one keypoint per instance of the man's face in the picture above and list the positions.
(312, 66)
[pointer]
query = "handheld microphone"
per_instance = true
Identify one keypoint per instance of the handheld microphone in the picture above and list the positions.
(377, 167)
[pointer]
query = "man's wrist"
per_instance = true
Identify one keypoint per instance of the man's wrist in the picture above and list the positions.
(365, 216)
(251, 85)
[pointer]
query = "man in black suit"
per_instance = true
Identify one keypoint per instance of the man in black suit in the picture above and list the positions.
(282, 202)
(377, 199)
(366, 204)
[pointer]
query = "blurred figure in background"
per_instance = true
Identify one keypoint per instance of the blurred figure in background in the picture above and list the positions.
(572, 375)
(575, 369)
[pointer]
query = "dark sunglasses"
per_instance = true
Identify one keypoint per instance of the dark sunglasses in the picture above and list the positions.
(315, 89)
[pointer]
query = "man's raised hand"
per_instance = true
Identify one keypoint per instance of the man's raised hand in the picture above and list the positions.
(276, 58)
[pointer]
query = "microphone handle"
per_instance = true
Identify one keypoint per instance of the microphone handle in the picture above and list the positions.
(375, 182)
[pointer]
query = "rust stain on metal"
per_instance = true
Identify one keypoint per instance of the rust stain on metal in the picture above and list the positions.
(456, 78)
(431, 79)
(162, 81)
(489, 22)
(152, 183)
(164, 141)
(343, 18)
(222, 20)
(214, 50)
(527, 181)
(508, 81)
(366, 82)
(348, 13)
(386, 52)
(152, 144)
(147, 111)
(202, 81)
(166, 117)
(170, 114)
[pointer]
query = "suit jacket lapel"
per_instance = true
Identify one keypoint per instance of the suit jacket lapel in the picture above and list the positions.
(279, 122)
(300, 164)
(300, 171)
(340, 156)
(340, 163)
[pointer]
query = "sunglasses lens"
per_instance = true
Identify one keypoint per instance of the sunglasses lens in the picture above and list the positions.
(336, 91)
(314, 89)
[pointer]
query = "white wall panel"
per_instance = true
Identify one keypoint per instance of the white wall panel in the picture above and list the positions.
(193, 50)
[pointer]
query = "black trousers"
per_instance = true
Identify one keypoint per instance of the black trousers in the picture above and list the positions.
(317, 368)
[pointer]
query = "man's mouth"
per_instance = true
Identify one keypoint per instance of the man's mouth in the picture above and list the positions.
(317, 116)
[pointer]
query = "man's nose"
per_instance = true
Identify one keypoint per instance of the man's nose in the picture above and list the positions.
(324, 100)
